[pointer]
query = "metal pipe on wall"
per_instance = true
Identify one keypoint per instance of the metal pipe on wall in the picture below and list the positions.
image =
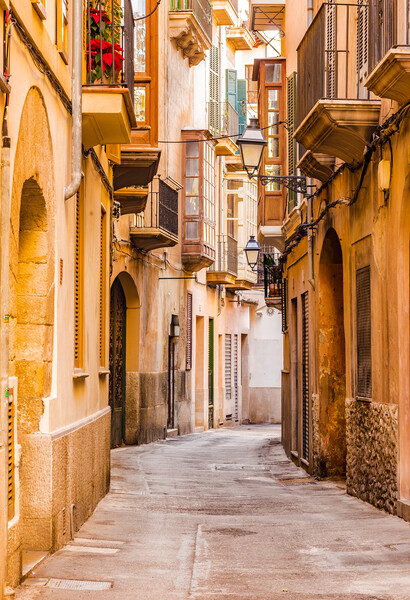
(4, 348)
(76, 91)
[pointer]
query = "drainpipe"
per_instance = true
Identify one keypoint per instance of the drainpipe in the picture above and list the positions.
(4, 344)
(311, 272)
(76, 85)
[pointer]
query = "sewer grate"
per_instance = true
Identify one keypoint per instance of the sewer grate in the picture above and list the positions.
(235, 467)
(79, 585)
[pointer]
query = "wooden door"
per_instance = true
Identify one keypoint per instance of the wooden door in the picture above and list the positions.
(118, 311)
(171, 383)
(211, 375)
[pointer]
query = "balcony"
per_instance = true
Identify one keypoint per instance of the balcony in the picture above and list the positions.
(191, 28)
(316, 166)
(107, 104)
(225, 12)
(131, 200)
(270, 276)
(334, 114)
(224, 271)
(157, 226)
(267, 15)
(391, 77)
(223, 120)
(240, 38)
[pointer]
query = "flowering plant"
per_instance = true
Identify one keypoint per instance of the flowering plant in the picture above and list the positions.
(105, 55)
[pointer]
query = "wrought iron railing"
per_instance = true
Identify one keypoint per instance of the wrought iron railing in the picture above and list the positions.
(110, 44)
(382, 28)
(272, 278)
(202, 10)
(161, 211)
(273, 255)
(333, 58)
(227, 258)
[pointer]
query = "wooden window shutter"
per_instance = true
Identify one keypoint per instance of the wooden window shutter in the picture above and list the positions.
(292, 152)
(305, 374)
(11, 487)
(231, 87)
(214, 90)
(102, 286)
(78, 281)
(284, 301)
(331, 55)
(242, 104)
(362, 45)
(228, 366)
(363, 333)
(189, 331)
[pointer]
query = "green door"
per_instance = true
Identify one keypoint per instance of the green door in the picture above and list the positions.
(118, 310)
(211, 375)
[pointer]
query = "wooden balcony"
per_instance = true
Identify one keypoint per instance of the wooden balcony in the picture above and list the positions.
(157, 226)
(391, 76)
(240, 38)
(191, 28)
(335, 115)
(266, 14)
(225, 269)
(225, 12)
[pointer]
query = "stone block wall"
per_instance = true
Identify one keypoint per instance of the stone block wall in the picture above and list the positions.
(372, 453)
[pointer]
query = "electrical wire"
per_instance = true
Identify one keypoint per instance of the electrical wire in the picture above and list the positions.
(149, 14)
(220, 137)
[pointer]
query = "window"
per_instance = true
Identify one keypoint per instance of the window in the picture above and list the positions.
(62, 28)
(214, 90)
(309, 11)
(140, 33)
(79, 280)
(363, 333)
(189, 331)
(103, 285)
(252, 86)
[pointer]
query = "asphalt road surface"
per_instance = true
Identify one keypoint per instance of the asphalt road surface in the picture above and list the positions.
(224, 515)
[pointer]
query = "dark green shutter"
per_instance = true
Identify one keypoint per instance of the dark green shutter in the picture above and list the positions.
(231, 91)
(241, 104)
(291, 118)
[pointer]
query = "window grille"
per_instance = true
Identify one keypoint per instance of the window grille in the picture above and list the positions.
(189, 331)
(363, 327)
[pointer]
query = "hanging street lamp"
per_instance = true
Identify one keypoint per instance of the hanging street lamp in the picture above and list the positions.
(252, 144)
(252, 250)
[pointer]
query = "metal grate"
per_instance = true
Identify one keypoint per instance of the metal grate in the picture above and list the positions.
(363, 316)
(305, 374)
(79, 585)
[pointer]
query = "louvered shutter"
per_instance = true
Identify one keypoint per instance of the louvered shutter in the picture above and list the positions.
(362, 46)
(231, 87)
(242, 104)
(363, 332)
(189, 331)
(228, 366)
(292, 158)
(10, 457)
(284, 305)
(78, 281)
(331, 57)
(235, 377)
(305, 374)
(214, 91)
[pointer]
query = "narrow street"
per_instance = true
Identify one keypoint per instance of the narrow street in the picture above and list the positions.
(225, 515)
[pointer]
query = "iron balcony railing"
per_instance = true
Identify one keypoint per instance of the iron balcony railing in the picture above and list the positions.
(272, 277)
(202, 10)
(110, 44)
(333, 57)
(382, 29)
(161, 211)
(267, 255)
(227, 257)
(223, 119)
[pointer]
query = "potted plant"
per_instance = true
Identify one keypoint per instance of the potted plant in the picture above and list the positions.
(104, 54)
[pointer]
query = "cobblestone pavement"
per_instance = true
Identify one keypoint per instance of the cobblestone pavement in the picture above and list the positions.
(223, 515)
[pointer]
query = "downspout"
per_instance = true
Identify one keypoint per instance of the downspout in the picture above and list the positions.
(4, 342)
(76, 89)
(311, 271)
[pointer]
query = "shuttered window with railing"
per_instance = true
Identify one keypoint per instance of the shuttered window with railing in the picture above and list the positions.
(363, 333)
(292, 150)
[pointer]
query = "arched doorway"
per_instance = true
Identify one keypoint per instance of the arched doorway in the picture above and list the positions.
(331, 461)
(118, 316)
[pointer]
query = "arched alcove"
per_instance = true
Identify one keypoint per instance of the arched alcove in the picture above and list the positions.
(332, 367)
